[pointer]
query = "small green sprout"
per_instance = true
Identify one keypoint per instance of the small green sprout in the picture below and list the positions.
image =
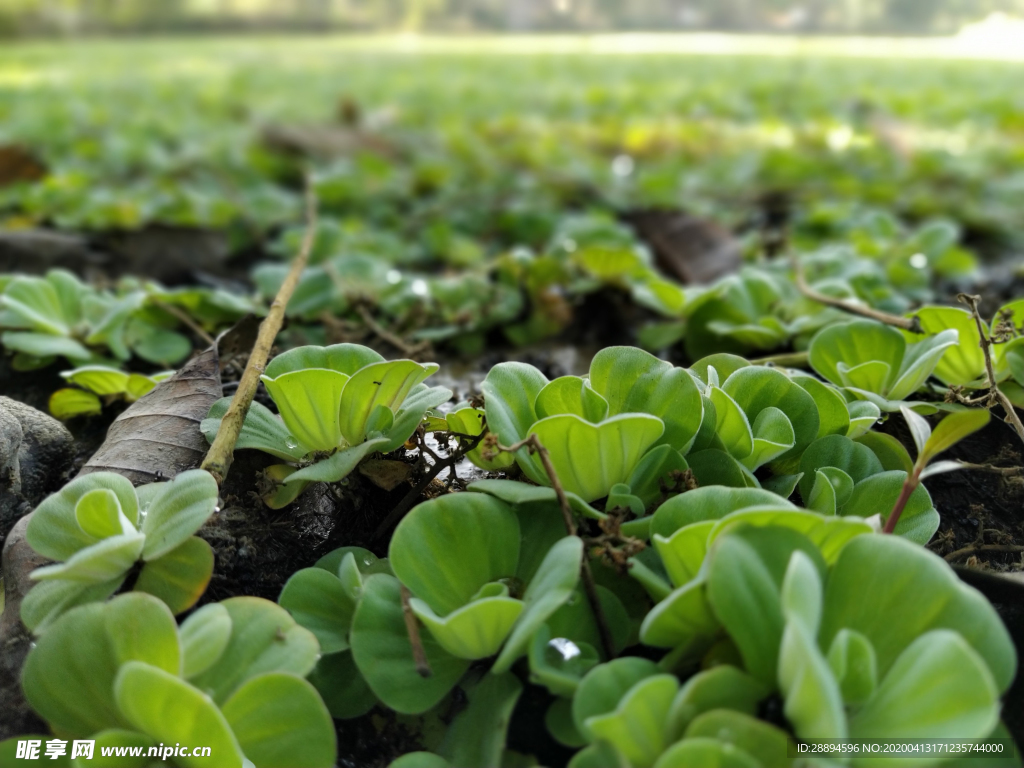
(98, 527)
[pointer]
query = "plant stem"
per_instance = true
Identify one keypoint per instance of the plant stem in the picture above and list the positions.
(912, 481)
(419, 655)
(185, 318)
(983, 548)
(786, 360)
(995, 394)
(911, 324)
(218, 459)
(534, 444)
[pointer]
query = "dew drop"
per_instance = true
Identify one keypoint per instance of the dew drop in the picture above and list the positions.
(622, 166)
(291, 443)
(919, 261)
(394, 276)
(567, 648)
(367, 560)
(420, 287)
(569, 245)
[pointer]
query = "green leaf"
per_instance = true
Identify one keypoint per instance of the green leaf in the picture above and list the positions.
(510, 391)
(519, 494)
(204, 636)
(114, 738)
(378, 384)
(447, 548)
(169, 710)
(107, 559)
(178, 511)
(683, 552)
(476, 739)
(69, 403)
(888, 450)
(963, 362)
(420, 401)
(589, 459)
(721, 687)
(469, 421)
(343, 358)
(98, 379)
(419, 760)
(156, 345)
(69, 675)
(476, 630)
(560, 725)
(892, 592)
(47, 600)
(855, 460)
(571, 394)
(657, 466)
(828, 534)
(937, 686)
(710, 503)
(383, 653)
(53, 530)
(604, 686)
(264, 638)
(747, 568)
(261, 431)
(338, 466)
(309, 401)
(551, 587)
(706, 751)
(43, 345)
(341, 686)
(714, 467)
(833, 415)
(683, 619)
(919, 363)
(852, 660)
(318, 601)
(732, 427)
(98, 513)
(180, 577)
(746, 733)
(634, 381)
(877, 495)
(838, 350)
(636, 728)
(951, 430)
(280, 722)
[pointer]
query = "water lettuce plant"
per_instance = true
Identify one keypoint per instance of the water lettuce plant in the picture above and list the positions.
(98, 527)
(601, 429)
(95, 385)
(59, 316)
(337, 405)
(231, 678)
(874, 362)
(869, 637)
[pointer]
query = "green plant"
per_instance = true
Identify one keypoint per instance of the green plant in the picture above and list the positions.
(872, 361)
(98, 527)
(337, 405)
(871, 637)
(231, 679)
(93, 382)
(630, 419)
(59, 316)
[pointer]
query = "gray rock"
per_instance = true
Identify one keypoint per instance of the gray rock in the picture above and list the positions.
(45, 453)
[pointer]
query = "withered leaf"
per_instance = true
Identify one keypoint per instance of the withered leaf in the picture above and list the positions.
(385, 473)
(158, 436)
(19, 164)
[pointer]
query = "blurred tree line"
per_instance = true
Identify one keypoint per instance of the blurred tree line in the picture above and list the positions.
(40, 17)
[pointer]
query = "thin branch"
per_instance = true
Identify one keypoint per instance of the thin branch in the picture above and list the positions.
(185, 318)
(534, 445)
(436, 468)
(985, 343)
(909, 485)
(218, 459)
(1004, 471)
(911, 324)
(979, 548)
(419, 656)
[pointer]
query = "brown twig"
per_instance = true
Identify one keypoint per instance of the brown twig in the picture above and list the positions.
(185, 318)
(534, 445)
(911, 324)
(419, 656)
(977, 548)
(218, 459)
(1004, 471)
(995, 394)
(468, 443)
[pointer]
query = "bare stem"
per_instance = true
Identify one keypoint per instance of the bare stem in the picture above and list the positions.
(912, 481)
(534, 445)
(185, 318)
(396, 514)
(419, 656)
(911, 324)
(978, 548)
(218, 459)
(985, 342)
(785, 360)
